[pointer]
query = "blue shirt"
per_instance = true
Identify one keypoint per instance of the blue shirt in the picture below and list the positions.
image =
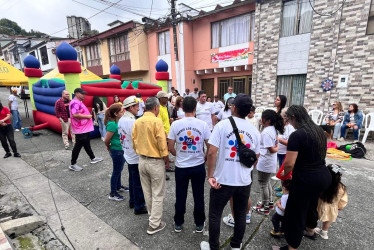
(227, 96)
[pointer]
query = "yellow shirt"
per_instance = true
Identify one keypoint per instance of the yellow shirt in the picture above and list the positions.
(164, 116)
(148, 136)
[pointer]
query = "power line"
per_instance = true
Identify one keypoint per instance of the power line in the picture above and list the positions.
(323, 14)
(99, 10)
(150, 13)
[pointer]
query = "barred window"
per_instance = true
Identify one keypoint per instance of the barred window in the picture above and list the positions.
(293, 87)
(297, 17)
(164, 43)
(93, 55)
(119, 48)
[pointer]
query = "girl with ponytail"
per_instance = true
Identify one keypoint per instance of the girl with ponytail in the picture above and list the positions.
(267, 162)
(114, 146)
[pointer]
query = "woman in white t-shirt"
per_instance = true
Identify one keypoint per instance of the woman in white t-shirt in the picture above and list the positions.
(225, 112)
(283, 138)
(267, 162)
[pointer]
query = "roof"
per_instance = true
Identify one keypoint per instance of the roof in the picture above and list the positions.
(108, 33)
(10, 76)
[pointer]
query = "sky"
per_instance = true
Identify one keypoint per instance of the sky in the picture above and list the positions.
(49, 16)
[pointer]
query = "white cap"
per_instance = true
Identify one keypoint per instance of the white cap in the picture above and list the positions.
(130, 101)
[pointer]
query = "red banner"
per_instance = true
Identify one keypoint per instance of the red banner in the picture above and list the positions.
(230, 55)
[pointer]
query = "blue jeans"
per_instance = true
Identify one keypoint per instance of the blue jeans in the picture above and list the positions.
(281, 159)
(344, 128)
(16, 119)
(337, 126)
(182, 177)
(118, 162)
(136, 191)
(100, 121)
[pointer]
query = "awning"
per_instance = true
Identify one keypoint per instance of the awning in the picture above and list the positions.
(10, 76)
(86, 75)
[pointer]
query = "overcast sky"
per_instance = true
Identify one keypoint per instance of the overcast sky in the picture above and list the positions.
(49, 16)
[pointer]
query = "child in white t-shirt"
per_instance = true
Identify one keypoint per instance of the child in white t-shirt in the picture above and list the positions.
(278, 217)
(267, 162)
(252, 119)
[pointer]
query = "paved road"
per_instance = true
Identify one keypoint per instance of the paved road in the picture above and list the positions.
(90, 187)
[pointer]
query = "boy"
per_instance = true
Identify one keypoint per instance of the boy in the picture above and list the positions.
(277, 218)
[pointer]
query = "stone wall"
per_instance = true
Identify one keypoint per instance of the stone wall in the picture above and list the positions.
(264, 77)
(344, 50)
(339, 46)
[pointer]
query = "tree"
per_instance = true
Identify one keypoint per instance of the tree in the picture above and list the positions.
(8, 27)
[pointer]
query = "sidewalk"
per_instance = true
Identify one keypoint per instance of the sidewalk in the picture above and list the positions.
(84, 229)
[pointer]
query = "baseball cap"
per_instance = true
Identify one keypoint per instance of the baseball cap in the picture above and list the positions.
(80, 90)
(244, 103)
(162, 94)
(130, 101)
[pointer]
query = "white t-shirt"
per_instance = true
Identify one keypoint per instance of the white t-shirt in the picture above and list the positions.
(267, 162)
(254, 122)
(125, 125)
(189, 135)
(229, 171)
(180, 113)
(141, 107)
(14, 105)
(194, 95)
(288, 129)
(218, 106)
(204, 112)
(283, 203)
(222, 115)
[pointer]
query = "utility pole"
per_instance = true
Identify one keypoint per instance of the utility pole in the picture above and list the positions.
(174, 22)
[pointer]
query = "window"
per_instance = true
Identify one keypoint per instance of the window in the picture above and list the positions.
(119, 48)
(93, 55)
(32, 53)
(370, 29)
(241, 84)
(297, 17)
(232, 31)
(293, 87)
(44, 55)
(164, 43)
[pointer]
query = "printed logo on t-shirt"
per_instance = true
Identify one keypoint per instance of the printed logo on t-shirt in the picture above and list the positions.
(189, 141)
(234, 146)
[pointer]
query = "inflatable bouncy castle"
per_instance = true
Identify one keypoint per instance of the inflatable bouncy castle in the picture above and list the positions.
(45, 92)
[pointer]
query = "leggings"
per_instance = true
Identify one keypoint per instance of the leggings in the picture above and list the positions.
(301, 210)
(265, 187)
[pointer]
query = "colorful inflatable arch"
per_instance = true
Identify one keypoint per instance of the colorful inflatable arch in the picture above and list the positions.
(45, 92)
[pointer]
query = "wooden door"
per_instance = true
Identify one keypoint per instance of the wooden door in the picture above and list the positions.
(208, 86)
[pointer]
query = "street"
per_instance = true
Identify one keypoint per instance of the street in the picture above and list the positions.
(46, 154)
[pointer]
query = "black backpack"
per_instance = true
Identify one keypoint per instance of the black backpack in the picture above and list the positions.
(357, 149)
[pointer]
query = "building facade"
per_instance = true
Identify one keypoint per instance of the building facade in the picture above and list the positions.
(299, 44)
(77, 26)
(124, 45)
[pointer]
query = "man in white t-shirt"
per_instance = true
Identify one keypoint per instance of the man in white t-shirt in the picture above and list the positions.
(204, 110)
(141, 106)
(125, 125)
(217, 105)
(195, 93)
(13, 106)
(186, 142)
(230, 177)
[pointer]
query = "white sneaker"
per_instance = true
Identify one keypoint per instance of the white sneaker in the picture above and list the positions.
(229, 220)
(237, 248)
(75, 167)
(341, 139)
(17, 130)
(355, 141)
(204, 245)
(96, 160)
(321, 233)
(102, 138)
(248, 218)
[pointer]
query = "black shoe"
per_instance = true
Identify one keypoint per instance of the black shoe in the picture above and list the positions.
(143, 210)
(7, 155)
(167, 177)
(131, 205)
(17, 155)
(170, 170)
(312, 237)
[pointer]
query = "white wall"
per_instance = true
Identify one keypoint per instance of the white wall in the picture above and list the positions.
(293, 55)
(167, 59)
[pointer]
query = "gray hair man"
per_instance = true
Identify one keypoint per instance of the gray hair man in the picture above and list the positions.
(63, 115)
(149, 142)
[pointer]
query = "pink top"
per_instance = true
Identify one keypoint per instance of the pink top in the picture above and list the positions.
(80, 126)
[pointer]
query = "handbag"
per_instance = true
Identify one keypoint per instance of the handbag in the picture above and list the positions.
(247, 156)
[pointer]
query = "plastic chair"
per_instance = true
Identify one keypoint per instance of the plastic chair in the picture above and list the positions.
(316, 116)
(260, 109)
(369, 125)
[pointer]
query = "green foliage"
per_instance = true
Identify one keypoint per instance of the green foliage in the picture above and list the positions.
(8, 27)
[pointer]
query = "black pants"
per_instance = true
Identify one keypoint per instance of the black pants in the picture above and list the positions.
(277, 220)
(183, 176)
(218, 201)
(7, 134)
(81, 140)
(301, 210)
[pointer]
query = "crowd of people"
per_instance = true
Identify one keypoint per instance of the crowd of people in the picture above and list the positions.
(200, 133)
